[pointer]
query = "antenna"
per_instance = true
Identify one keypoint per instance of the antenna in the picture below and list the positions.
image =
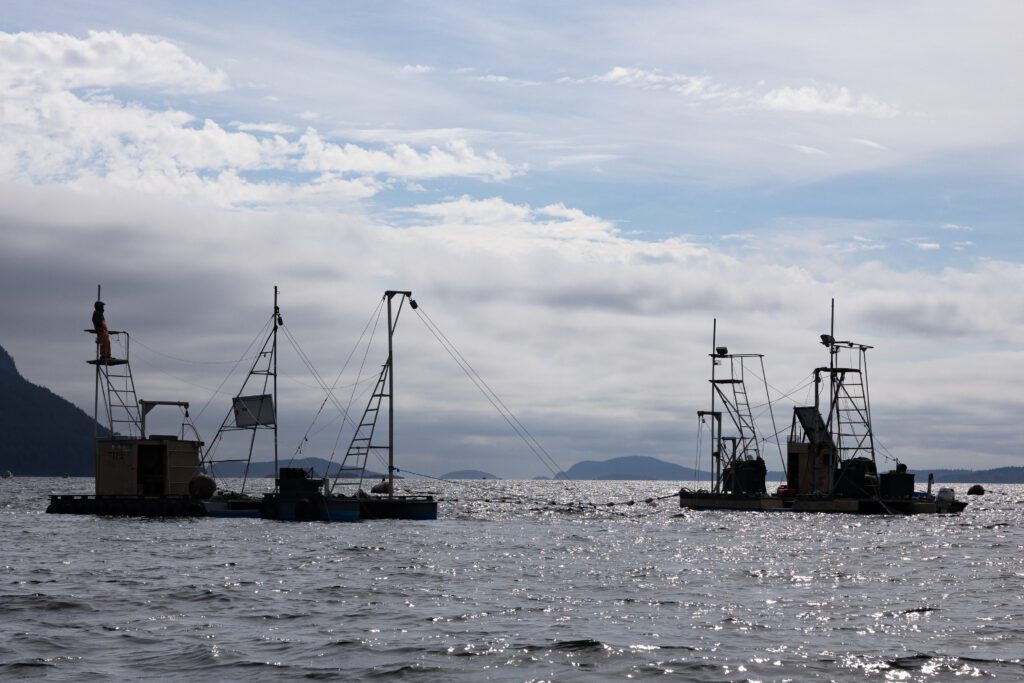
(832, 325)
(716, 439)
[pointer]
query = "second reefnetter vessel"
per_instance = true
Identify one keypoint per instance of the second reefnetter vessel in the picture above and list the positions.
(830, 460)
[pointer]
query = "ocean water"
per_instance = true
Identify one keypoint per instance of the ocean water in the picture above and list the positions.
(512, 584)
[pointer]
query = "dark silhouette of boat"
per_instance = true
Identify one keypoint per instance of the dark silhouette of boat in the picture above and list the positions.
(298, 496)
(830, 459)
(137, 473)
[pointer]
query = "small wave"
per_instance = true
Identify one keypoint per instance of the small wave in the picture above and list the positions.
(406, 671)
(40, 602)
(582, 645)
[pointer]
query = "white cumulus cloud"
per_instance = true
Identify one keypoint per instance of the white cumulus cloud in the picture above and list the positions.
(829, 100)
(62, 125)
(103, 59)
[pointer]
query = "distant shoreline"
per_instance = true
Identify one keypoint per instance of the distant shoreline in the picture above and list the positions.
(625, 468)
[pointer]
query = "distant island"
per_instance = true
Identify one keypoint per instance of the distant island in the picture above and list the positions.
(630, 467)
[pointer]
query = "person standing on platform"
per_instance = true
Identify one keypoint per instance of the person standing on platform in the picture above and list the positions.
(99, 325)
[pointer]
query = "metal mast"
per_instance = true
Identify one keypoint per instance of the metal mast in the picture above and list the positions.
(849, 417)
(254, 411)
(391, 399)
(273, 352)
(96, 389)
(390, 370)
(716, 419)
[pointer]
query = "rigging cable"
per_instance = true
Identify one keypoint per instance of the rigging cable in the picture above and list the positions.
(217, 437)
(244, 356)
(330, 391)
(376, 317)
(316, 375)
(772, 414)
(521, 431)
(576, 505)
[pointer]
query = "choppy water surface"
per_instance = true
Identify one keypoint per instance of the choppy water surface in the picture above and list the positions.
(506, 587)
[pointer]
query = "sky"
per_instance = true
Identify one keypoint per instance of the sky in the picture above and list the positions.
(572, 192)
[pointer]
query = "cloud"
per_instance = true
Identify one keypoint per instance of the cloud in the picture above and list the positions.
(275, 128)
(871, 144)
(597, 335)
(861, 243)
(417, 69)
(829, 100)
(561, 312)
(923, 244)
(505, 80)
(807, 99)
(54, 134)
(417, 136)
(456, 159)
(954, 226)
(654, 79)
(807, 149)
(48, 62)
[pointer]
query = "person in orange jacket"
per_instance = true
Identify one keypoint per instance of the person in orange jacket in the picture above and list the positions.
(99, 325)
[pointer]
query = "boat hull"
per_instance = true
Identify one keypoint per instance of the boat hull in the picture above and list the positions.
(829, 504)
(398, 507)
(309, 508)
(126, 506)
(240, 507)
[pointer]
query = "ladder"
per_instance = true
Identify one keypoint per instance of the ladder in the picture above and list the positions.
(853, 419)
(362, 441)
(738, 408)
(115, 384)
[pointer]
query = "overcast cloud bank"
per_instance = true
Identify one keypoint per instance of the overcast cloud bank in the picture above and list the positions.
(128, 161)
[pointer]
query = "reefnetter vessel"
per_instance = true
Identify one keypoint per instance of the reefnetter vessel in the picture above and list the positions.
(830, 463)
(299, 496)
(137, 472)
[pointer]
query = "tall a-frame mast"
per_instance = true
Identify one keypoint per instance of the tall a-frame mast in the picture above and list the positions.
(849, 402)
(116, 386)
(390, 369)
(277, 323)
(363, 439)
(253, 412)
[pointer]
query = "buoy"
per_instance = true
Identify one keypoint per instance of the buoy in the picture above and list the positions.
(202, 486)
(945, 499)
(976, 490)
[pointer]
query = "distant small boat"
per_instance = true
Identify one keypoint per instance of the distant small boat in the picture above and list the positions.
(6, 475)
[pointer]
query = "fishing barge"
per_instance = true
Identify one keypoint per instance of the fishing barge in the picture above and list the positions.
(301, 497)
(137, 473)
(143, 474)
(830, 462)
